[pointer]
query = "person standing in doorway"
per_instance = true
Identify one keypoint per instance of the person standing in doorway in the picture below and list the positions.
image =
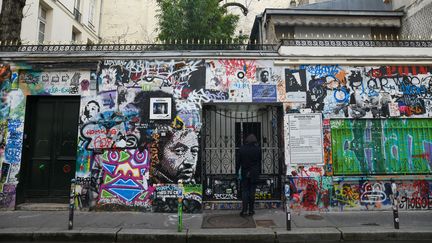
(248, 168)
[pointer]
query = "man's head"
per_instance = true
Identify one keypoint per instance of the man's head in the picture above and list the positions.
(264, 76)
(180, 156)
(251, 139)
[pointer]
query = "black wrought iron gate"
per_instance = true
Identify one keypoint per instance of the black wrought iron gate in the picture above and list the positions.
(223, 131)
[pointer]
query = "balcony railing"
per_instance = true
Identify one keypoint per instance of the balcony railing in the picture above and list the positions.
(355, 43)
(173, 45)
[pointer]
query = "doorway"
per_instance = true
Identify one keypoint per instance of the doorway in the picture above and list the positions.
(223, 133)
(50, 145)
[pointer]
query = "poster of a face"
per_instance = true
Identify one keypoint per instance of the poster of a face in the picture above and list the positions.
(160, 108)
(263, 75)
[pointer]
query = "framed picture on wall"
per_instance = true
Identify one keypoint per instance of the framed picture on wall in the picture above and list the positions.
(160, 108)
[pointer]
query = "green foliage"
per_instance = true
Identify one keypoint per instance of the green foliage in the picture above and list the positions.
(195, 20)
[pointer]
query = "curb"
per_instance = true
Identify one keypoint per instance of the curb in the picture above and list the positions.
(59, 234)
(265, 235)
(231, 235)
(150, 235)
(360, 234)
(309, 235)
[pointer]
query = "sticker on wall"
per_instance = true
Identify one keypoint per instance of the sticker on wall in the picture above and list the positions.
(160, 108)
(5, 167)
(393, 109)
(240, 95)
(264, 93)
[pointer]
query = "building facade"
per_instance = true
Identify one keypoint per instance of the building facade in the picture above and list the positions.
(116, 28)
(337, 123)
(339, 119)
(63, 21)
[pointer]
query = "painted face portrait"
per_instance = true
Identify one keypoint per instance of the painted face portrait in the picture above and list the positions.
(91, 111)
(180, 156)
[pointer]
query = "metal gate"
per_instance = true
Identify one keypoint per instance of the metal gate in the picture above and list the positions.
(223, 131)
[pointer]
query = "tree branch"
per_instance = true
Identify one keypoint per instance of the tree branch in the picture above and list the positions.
(243, 8)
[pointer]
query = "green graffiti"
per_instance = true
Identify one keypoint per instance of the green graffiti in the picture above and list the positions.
(392, 146)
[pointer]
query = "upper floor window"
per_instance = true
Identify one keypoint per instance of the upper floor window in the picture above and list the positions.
(42, 24)
(77, 4)
(92, 12)
(77, 12)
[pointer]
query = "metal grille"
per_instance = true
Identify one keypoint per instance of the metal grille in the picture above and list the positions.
(357, 43)
(62, 48)
(223, 133)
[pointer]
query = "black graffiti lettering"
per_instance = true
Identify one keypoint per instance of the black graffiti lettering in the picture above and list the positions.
(416, 203)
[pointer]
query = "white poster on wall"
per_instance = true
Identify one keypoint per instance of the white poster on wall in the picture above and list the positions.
(305, 139)
(160, 108)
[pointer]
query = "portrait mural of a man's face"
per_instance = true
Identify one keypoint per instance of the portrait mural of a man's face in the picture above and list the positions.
(180, 156)
(177, 146)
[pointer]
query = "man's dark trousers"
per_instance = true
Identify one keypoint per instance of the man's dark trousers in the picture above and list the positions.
(248, 186)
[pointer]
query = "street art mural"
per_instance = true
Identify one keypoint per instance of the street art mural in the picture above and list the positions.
(55, 83)
(244, 80)
(392, 146)
(364, 144)
(124, 178)
(10, 136)
(325, 194)
(361, 92)
(140, 123)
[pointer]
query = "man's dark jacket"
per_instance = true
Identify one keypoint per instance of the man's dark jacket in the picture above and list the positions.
(249, 160)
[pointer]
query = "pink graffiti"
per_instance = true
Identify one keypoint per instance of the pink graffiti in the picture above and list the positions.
(232, 67)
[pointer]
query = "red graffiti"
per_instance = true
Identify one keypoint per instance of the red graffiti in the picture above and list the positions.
(309, 199)
(233, 66)
(315, 169)
(5, 72)
(406, 70)
(102, 142)
(389, 71)
(422, 188)
(101, 131)
(425, 156)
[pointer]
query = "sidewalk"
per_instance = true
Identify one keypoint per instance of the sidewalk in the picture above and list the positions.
(365, 226)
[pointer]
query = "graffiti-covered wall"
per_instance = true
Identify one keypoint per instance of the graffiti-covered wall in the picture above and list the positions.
(361, 92)
(360, 157)
(140, 123)
(17, 81)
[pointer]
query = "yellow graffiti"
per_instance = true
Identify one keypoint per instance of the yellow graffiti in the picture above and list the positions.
(345, 194)
(125, 168)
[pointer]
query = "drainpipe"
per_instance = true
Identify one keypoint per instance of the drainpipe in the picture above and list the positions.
(100, 20)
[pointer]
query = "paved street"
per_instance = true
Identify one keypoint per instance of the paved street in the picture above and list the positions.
(25, 226)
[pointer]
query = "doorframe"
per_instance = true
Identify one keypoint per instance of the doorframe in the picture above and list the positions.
(280, 114)
(30, 101)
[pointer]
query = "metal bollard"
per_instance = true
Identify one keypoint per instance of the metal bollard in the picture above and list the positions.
(71, 204)
(287, 207)
(288, 219)
(180, 207)
(395, 206)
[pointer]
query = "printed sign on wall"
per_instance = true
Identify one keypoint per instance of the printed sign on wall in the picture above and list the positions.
(264, 93)
(305, 139)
